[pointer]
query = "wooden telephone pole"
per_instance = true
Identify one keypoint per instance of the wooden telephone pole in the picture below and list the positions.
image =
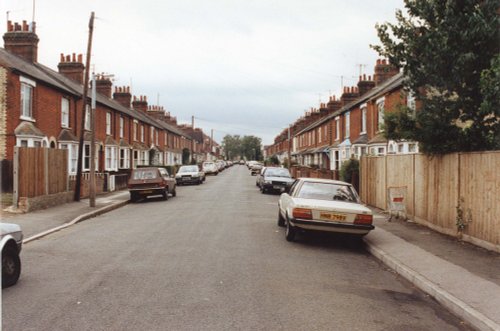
(84, 109)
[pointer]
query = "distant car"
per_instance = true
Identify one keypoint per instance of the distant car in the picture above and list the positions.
(255, 168)
(275, 179)
(242, 162)
(189, 174)
(220, 165)
(210, 168)
(11, 240)
(151, 181)
(324, 205)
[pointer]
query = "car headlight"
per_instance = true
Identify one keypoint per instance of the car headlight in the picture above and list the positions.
(268, 182)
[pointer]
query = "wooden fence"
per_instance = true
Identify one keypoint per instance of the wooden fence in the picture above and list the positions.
(302, 171)
(40, 171)
(436, 186)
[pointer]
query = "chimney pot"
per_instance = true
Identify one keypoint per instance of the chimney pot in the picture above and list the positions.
(62, 58)
(74, 57)
(80, 58)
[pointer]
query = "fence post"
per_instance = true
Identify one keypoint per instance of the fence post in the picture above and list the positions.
(46, 169)
(15, 172)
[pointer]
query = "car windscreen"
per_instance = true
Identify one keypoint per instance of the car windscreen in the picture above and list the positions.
(277, 172)
(327, 191)
(189, 169)
(144, 174)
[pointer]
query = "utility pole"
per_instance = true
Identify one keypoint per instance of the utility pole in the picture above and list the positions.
(84, 108)
(192, 139)
(211, 142)
(289, 150)
(92, 145)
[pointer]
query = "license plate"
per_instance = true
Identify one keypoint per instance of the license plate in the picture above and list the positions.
(277, 187)
(332, 217)
(147, 192)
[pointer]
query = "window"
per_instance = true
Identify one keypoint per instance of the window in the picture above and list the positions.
(121, 127)
(124, 158)
(363, 119)
(412, 148)
(142, 133)
(380, 151)
(136, 158)
(400, 148)
(319, 134)
(111, 161)
(380, 112)
(86, 157)
(65, 112)
(72, 156)
(87, 117)
(337, 128)
(23, 143)
(108, 124)
(157, 138)
(135, 130)
(27, 87)
(144, 158)
(411, 103)
(347, 124)
(151, 134)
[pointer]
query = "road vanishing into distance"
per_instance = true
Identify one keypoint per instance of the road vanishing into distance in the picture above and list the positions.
(212, 258)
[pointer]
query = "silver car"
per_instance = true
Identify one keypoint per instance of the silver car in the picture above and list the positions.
(11, 239)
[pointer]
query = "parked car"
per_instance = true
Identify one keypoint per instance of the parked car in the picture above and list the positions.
(255, 168)
(210, 168)
(324, 205)
(274, 179)
(11, 240)
(189, 174)
(220, 165)
(145, 182)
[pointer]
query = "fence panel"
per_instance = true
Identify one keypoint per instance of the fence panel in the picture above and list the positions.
(41, 171)
(480, 190)
(434, 187)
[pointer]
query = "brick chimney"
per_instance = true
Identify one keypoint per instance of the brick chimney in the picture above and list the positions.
(383, 71)
(103, 85)
(122, 96)
(140, 103)
(72, 67)
(333, 105)
(365, 84)
(350, 94)
(22, 40)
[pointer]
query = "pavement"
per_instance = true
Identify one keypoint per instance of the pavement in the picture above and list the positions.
(462, 277)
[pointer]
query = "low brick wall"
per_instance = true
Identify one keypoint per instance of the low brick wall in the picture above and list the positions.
(27, 205)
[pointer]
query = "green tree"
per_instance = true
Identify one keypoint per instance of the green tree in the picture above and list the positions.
(447, 50)
(232, 146)
(251, 148)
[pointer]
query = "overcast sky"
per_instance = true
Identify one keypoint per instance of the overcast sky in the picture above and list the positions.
(240, 67)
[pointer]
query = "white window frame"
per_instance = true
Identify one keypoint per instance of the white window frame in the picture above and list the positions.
(347, 117)
(87, 117)
(124, 162)
(152, 134)
(64, 112)
(337, 128)
(380, 113)
(108, 123)
(136, 127)
(27, 98)
(29, 141)
(72, 155)
(142, 133)
(121, 126)
(363, 118)
(111, 159)
(87, 168)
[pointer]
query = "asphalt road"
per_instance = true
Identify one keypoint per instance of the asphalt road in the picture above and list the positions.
(211, 258)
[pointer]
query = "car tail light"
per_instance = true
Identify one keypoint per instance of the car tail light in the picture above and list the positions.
(363, 219)
(302, 213)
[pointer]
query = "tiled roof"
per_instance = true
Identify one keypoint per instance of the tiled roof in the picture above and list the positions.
(28, 129)
(378, 139)
(66, 135)
(363, 139)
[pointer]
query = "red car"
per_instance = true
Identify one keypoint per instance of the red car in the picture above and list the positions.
(146, 182)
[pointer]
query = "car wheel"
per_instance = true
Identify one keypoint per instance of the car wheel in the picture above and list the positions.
(290, 231)
(263, 190)
(11, 267)
(198, 182)
(165, 194)
(281, 220)
(133, 196)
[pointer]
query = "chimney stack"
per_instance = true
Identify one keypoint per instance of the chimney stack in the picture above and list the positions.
(334, 105)
(140, 103)
(383, 71)
(103, 85)
(350, 94)
(72, 67)
(365, 84)
(21, 40)
(122, 96)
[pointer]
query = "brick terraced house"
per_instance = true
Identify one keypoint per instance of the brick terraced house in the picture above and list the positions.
(351, 126)
(41, 107)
